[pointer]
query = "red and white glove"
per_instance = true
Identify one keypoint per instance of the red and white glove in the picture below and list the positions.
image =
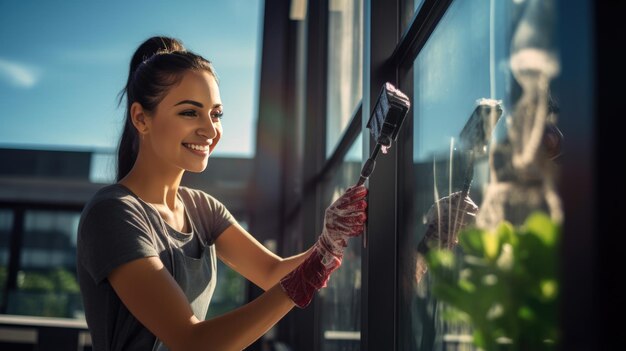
(446, 218)
(344, 219)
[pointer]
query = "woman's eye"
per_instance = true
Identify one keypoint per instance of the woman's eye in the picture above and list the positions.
(189, 113)
(218, 114)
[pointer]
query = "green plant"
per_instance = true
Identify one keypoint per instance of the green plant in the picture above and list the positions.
(52, 293)
(506, 285)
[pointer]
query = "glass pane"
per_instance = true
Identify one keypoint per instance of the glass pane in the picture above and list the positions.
(485, 126)
(6, 224)
(410, 8)
(345, 63)
(46, 281)
(340, 301)
(452, 73)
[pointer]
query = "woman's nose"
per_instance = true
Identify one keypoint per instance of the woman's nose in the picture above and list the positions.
(208, 129)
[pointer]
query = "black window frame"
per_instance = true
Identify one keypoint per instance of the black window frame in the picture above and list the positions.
(390, 47)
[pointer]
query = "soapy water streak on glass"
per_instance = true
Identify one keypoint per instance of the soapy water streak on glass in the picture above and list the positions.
(449, 232)
(534, 64)
(453, 329)
(458, 334)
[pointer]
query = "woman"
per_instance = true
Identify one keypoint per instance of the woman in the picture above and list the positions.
(147, 246)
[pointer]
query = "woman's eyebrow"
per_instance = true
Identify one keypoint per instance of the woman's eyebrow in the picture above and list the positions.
(196, 103)
(191, 102)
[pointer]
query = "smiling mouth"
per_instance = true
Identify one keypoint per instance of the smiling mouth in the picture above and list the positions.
(197, 148)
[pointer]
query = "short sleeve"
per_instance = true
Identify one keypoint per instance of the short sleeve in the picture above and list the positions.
(113, 232)
(222, 218)
(205, 210)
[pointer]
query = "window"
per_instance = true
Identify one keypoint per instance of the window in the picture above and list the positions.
(482, 121)
(411, 7)
(46, 280)
(340, 312)
(345, 65)
(454, 81)
(6, 223)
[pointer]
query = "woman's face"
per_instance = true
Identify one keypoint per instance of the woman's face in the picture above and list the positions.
(185, 127)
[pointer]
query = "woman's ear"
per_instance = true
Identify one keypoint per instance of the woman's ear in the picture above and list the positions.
(139, 118)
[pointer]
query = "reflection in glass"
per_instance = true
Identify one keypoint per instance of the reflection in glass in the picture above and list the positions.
(345, 63)
(456, 104)
(525, 148)
(46, 281)
(485, 123)
(411, 7)
(340, 301)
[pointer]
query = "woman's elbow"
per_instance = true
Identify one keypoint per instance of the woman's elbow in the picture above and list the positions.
(200, 337)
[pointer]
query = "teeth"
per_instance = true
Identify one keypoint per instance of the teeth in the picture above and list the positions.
(197, 147)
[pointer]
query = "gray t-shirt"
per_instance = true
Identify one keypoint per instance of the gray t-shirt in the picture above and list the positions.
(117, 227)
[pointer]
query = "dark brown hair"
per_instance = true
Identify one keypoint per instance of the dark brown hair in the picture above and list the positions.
(158, 64)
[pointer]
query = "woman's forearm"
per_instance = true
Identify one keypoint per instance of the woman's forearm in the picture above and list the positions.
(286, 265)
(238, 329)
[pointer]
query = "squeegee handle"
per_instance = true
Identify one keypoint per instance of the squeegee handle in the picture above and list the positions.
(366, 171)
(369, 166)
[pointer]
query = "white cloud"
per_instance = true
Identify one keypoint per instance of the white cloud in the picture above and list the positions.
(18, 74)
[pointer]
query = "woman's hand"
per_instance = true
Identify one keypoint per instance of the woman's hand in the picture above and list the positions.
(345, 218)
(446, 218)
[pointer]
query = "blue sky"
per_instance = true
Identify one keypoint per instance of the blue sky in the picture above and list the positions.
(62, 64)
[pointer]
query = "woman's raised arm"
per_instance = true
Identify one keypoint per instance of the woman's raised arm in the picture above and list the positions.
(244, 254)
